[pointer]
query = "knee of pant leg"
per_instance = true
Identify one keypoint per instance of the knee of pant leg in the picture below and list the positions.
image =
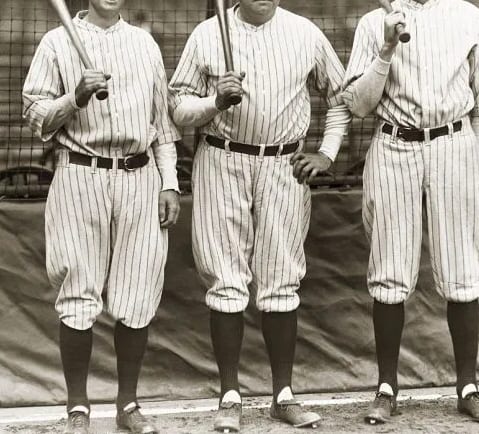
(458, 293)
(390, 295)
(227, 300)
(278, 302)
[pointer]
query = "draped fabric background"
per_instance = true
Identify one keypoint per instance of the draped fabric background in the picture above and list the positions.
(335, 345)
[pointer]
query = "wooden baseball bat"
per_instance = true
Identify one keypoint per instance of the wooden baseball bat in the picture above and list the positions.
(64, 14)
(404, 35)
(222, 15)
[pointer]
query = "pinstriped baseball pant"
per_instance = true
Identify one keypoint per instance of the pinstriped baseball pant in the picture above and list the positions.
(250, 219)
(398, 175)
(103, 235)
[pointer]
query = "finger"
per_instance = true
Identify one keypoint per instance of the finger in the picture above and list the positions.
(298, 167)
(312, 175)
(162, 210)
(231, 82)
(297, 157)
(230, 88)
(305, 173)
(232, 74)
(171, 216)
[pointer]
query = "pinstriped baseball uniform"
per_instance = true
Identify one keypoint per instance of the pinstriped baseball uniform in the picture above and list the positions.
(102, 226)
(432, 81)
(250, 216)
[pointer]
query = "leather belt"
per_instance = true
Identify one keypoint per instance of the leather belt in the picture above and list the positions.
(414, 135)
(128, 163)
(243, 148)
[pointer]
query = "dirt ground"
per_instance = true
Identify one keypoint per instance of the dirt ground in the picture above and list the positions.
(436, 416)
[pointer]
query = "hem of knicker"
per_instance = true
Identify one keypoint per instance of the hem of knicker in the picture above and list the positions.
(74, 326)
(457, 293)
(295, 303)
(236, 307)
(385, 296)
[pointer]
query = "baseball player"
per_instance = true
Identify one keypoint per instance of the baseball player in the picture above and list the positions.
(425, 147)
(114, 194)
(250, 215)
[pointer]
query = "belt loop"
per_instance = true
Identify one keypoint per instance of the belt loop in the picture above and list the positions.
(301, 145)
(280, 151)
(94, 163)
(262, 148)
(427, 135)
(394, 133)
(227, 148)
(450, 127)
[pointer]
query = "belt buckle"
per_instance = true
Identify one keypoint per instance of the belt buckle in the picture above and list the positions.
(125, 163)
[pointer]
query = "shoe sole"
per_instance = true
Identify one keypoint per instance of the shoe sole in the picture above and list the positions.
(312, 424)
(125, 427)
(466, 413)
(227, 426)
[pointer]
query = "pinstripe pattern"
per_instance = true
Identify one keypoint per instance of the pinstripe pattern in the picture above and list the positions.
(102, 227)
(133, 117)
(431, 81)
(111, 242)
(250, 219)
(278, 58)
(396, 175)
(250, 216)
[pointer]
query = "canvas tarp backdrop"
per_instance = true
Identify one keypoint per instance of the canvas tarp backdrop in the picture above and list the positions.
(335, 348)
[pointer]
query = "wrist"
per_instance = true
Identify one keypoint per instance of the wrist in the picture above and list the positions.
(387, 51)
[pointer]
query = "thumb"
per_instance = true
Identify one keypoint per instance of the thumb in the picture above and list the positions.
(107, 76)
(243, 75)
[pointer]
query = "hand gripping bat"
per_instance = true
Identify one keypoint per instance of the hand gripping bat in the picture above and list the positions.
(404, 35)
(222, 16)
(66, 19)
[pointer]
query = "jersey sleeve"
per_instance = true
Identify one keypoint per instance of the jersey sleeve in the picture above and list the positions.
(189, 78)
(45, 106)
(328, 71)
(164, 148)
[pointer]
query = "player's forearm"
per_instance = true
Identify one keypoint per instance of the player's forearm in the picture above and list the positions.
(194, 111)
(362, 96)
(45, 116)
(336, 127)
(165, 157)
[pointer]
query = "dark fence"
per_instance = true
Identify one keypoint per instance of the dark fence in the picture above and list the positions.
(26, 164)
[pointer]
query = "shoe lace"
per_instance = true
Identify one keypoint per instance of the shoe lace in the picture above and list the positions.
(292, 407)
(136, 416)
(383, 400)
(78, 419)
(474, 396)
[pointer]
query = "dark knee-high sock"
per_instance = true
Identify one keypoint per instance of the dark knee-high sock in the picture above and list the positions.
(463, 324)
(75, 350)
(227, 336)
(130, 346)
(279, 332)
(388, 325)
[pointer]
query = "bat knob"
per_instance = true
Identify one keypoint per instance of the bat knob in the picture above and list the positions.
(405, 37)
(235, 100)
(101, 94)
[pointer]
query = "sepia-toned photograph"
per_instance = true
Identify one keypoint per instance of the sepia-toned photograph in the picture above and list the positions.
(239, 216)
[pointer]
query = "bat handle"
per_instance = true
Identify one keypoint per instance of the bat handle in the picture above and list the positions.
(404, 35)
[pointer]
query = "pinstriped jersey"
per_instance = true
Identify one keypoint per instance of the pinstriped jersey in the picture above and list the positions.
(279, 58)
(433, 79)
(135, 114)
